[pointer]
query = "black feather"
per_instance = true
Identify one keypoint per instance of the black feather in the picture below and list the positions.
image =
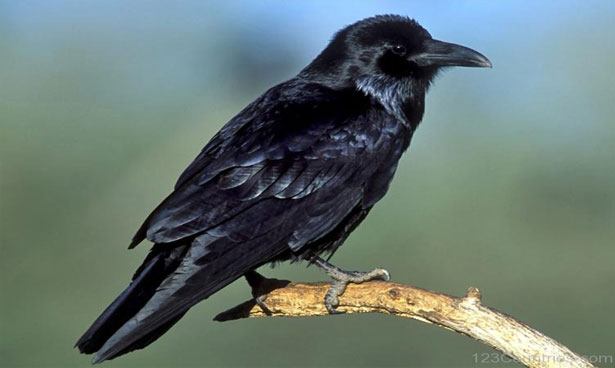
(160, 263)
(287, 178)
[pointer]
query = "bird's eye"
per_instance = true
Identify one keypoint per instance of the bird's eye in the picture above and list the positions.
(399, 50)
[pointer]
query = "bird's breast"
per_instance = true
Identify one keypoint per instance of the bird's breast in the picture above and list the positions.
(395, 139)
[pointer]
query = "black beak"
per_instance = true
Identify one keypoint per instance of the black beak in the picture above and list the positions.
(438, 53)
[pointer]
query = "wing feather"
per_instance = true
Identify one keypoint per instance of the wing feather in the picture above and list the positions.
(278, 162)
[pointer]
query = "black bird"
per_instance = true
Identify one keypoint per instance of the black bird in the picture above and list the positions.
(288, 178)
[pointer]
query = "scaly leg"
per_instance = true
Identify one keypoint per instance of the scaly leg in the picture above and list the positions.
(261, 286)
(342, 278)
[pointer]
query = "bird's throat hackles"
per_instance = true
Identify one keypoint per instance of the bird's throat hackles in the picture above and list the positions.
(393, 94)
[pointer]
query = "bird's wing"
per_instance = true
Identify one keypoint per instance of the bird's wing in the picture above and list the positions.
(295, 158)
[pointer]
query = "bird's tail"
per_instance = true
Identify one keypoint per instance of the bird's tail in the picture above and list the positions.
(159, 264)
(171, 280)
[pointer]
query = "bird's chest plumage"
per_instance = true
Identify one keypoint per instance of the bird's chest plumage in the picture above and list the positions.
(376, 141)
(395, 112)
(394, 139)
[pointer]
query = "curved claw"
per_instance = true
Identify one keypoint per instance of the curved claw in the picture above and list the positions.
(384, 274)
(332, 300)
(261, 286)
(261, 302)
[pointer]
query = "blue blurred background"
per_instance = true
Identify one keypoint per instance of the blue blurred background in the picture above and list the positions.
(509, 184)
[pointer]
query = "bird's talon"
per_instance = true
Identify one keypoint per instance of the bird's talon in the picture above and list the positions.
(334, 310)
(260, 301)
(332, 301)
(384, 275)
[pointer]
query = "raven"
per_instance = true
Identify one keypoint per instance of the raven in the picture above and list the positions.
(288, 178)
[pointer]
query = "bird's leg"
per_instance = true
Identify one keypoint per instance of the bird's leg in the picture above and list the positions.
(342, 278)
(261, 286)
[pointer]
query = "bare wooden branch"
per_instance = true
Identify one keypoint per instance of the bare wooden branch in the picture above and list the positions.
(465, 315)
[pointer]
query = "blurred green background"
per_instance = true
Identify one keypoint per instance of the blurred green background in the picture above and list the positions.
(509, 184)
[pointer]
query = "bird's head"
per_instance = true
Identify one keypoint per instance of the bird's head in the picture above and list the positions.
(389, 57)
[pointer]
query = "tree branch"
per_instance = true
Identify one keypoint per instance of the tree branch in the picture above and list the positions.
(464, 315)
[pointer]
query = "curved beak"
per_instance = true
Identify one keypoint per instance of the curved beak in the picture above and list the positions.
(439, 53)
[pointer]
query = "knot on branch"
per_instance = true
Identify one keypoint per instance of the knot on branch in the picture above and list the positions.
(472, 298)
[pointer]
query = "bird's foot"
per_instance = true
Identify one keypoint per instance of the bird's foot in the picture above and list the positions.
(261, 302)
(261, 286)
(342, 278)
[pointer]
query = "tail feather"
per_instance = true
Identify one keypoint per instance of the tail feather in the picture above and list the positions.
(147, 339)
(156, 267)
(210, 264)
(168, 284)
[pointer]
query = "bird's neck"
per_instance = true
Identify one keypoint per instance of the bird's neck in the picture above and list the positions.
(402, 98)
